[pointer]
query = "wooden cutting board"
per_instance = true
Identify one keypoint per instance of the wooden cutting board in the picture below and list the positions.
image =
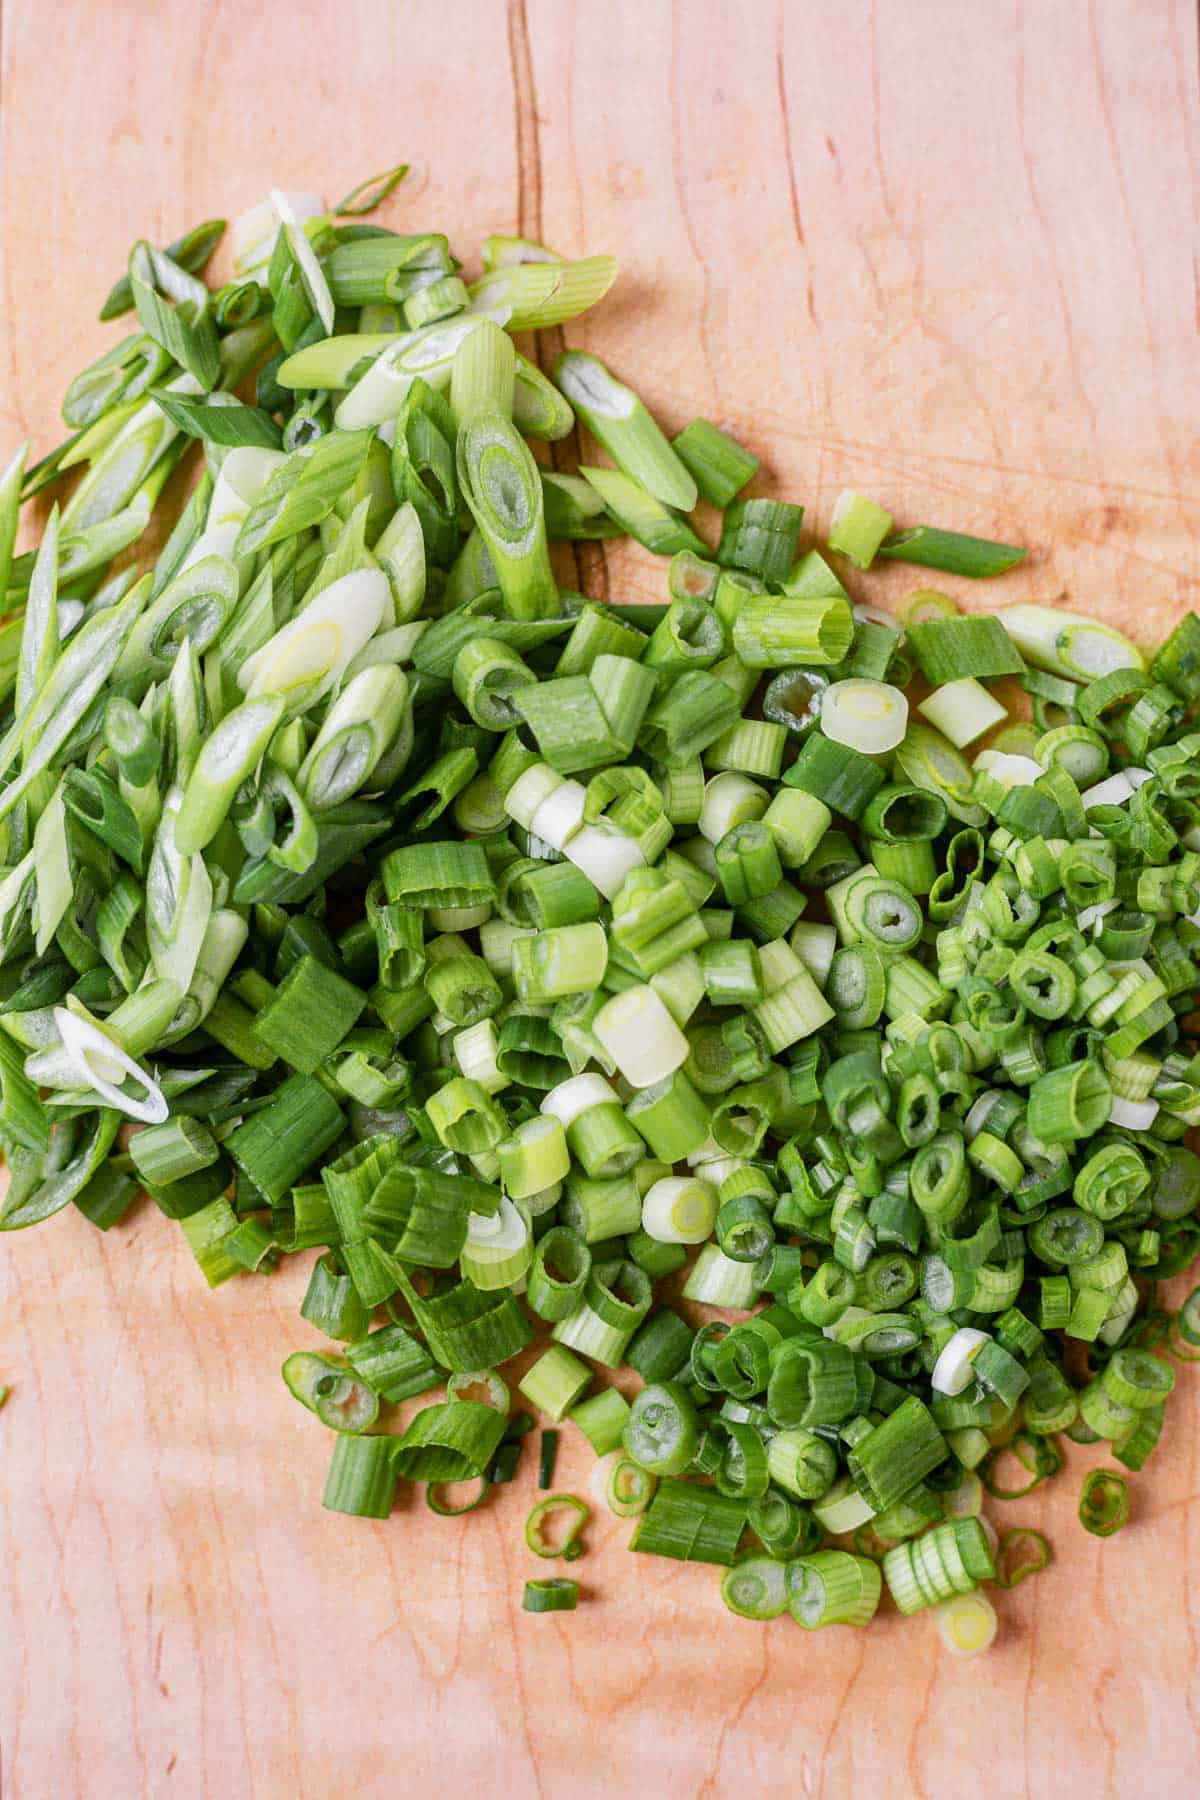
(940, 251)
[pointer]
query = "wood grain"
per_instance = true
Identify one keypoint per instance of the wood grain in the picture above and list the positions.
(942, 251)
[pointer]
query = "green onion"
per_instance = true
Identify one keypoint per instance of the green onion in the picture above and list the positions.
(951, 551)
(620, 423)
(868, 716)
(760, 537)
(555, 1595)
(691, 1524)
(501, 945)
(719, 466)
(455, 1442)
(565, 1517)
(756, 1588)
(966, 1624)
(327, 1388)
(1104, 1503)
(1080, 649)
(858, 528)
(832, 1587)
(962, 710)
(645, 517)
(602, 1422)
(772, 633)
(499, 480)
(362, 1477)
(1020, 1552)
(534, 297)
(556, 1383)
(393, 1363)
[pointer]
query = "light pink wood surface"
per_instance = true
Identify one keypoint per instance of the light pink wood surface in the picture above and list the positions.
(940, 250)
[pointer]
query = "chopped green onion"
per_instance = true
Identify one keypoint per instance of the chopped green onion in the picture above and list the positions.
(555, 1595)
(831, 1587)
(719, 466)
(691, 1524)
(858, 528)
(362, 1477)
(1104, 1503)
(1020, 1552)
(640, 513)
(553, 1527)
(555, 1383)
(966, 1624)
(462, 930)
(951, 551)
(756, 1588)
(869, 716)
(620, 423)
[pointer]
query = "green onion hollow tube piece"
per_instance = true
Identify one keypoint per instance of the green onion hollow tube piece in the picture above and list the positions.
(962, 710)
(455, 1442)
(229, 756)
(571, 959)
(620, 1484)
(953, 552)
(565, 1516)
(499, 480)
(558, 1594)
(774, 633)
(662, 1430)
(691, 1524)
(679, 1209)
(870, 716)
(756, 1588)
(558, 1276)
(498, 1248)
(1104, 1503)
(534, 1158)
(719, 466)
(556, 1382)
(858, 528)
(602, 1422)
(1020, 1552)
(831, 1587)
(1079, 649)
(330, 1389)
(640, 1036)
(619, 421)
(480, 1383)
(362, 1477)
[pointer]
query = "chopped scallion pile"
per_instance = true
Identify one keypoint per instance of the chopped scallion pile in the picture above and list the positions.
(509, 953)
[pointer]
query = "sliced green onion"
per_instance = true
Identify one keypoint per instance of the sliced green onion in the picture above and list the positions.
(1104, 1503)
(555, 1595)
(719, 466)
(831, 1587)
(858, 528)
(951, 551)
(870, 716)
(966, 1624)
(553, 1527)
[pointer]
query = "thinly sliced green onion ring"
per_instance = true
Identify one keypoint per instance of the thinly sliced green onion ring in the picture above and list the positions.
(566, 1514)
